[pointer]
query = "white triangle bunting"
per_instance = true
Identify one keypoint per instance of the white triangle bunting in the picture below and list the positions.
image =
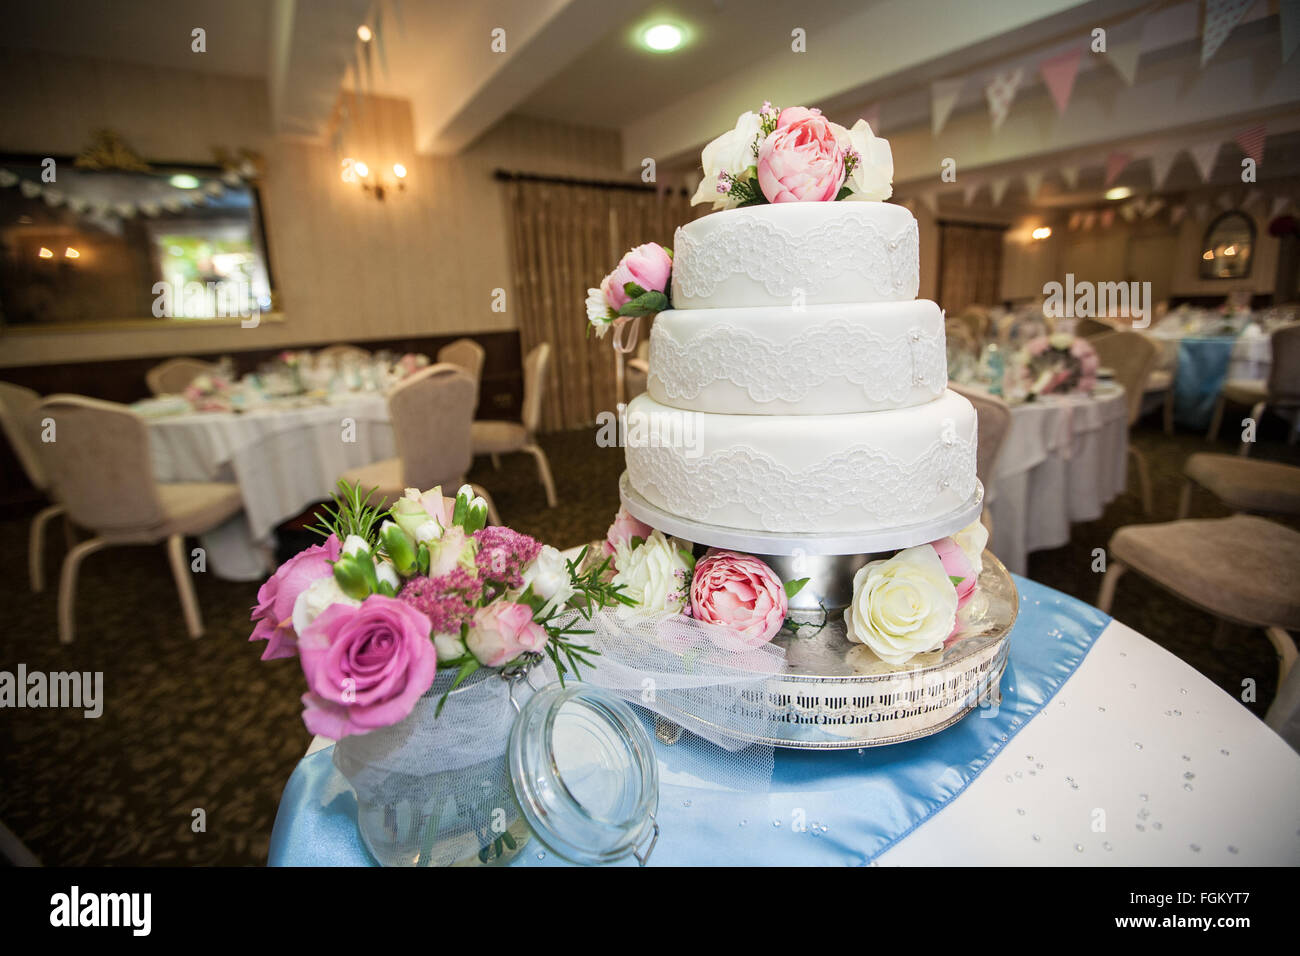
(943, 97)
(1161, 163)
(1204, 156)
(1000, 92)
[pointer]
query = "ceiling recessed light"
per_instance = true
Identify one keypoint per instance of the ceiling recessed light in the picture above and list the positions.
(364, 34)
(663, 37)
(184, 181)
(1119, 192)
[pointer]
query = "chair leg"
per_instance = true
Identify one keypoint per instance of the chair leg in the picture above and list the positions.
(36, 546)
(1256, 414)
(1216, 420)
(1185, 500)
(1286, 652)
(1144, 479)
(543, 472)
(68, 586)
(184, 585)
(493, 517)
(1113, 573)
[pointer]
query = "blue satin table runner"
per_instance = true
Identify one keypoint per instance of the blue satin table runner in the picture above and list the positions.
(824, 808)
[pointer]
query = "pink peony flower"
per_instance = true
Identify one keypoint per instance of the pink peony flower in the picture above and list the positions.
(956, 564)
(800, 161)
(623, 530)
(740, 592)
(274, 611)
(649, 266)
(365, 666)
(502, 631)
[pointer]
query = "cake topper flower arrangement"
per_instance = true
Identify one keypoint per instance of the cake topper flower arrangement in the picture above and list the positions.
(794, 155)
(639, 285)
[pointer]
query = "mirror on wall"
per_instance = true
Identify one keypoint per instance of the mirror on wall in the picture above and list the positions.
(1228, 247)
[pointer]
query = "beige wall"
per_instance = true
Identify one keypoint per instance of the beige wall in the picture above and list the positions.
(346, 267)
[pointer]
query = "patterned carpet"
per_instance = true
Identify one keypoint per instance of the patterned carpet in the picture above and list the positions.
(205, 725)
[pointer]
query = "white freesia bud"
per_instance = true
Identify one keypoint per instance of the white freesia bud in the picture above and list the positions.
(355, 544)
(449, 647)
(385, 571)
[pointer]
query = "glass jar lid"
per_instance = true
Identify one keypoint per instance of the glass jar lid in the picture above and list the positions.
(585, 774)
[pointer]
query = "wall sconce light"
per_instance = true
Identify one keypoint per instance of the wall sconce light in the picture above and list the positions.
(71, 253)
(46, 253)
(358, 172)
(1042, 232)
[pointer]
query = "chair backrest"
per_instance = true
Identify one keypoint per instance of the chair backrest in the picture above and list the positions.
(99, 465)
(1086, 328)
(993, 421)
(343, 351)
(466, 354)
(20, 422)
(536, 364)
(432, 412)
(1284, 373)
(1132, 357)
(172, 376)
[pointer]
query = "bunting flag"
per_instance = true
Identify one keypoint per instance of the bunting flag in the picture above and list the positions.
(943, 97)
(1279, 206)
(1089, 218)
(1221, 16)
(1124, 47)
(1033, 182)
(1161, 163)
(1000, 92)
(968, 194)
(1059, 73)
(998, 189)
(1204, 155)
(1076, 219)
(1177, 213)
(1070, 176)
(1289, 13)
(1251, 142)
(1115, 164)
(1107, 218)
(930, 199)
(1129, 211)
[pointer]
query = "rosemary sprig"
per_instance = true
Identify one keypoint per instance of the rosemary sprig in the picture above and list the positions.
(352, 514)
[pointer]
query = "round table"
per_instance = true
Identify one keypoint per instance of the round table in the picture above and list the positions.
(1104, 750)
(1064, 459)
(283, 455)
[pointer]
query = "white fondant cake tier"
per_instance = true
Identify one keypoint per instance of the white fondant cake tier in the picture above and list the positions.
(821, 360)
(804, 473)
(797, 253)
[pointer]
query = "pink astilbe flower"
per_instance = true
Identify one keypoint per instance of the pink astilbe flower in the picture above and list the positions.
(448, 601)
(503, 554)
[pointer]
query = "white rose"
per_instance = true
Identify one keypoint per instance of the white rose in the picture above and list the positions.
(972, 540)
(731, 153)
(873, 176)
(598, 312)
(549, 576)
(449, 647)
(655, 575)
(903, 606)
(312, 602)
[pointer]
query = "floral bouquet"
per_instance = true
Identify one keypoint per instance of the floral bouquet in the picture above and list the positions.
(209, 393)
(1056, 365)
(409, 364)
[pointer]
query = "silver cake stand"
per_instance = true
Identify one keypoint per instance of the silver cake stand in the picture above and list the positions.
(837, 694)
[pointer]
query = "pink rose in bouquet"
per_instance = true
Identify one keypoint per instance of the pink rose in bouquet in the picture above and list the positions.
(648, 265)
(366, 666)
(273, 615)
(502, 631)
(739, 592)
(800, 160)
(623, 530)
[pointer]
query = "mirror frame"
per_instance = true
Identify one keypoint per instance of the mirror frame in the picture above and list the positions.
(1209, 231)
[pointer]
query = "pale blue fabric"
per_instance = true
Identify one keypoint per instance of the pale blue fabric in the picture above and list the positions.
(853, 805)
(1202, 369)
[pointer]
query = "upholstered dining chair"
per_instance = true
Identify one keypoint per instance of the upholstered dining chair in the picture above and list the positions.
(993, 422)
(1245, 485)
(466, 354)
(342, 351)
(100, 470)
(19, 420)
(1086, 328)
(1242, 569)
(1281, 390)
(172, 376)
(431, 412)
(498, 438)
(1131, 356)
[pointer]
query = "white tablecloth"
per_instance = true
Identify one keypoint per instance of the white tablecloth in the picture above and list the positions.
(1175, 770)
(282, 457)
(1064, 460)
(1252, 354)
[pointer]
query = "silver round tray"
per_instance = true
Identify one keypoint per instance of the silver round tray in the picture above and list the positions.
(773, 543)
(836, 694)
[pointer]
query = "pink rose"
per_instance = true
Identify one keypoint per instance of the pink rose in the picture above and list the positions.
(740, 592)
(957, 565)
(274, 611)
(623, 530)
(366, 666)
(795, 114)
(800, 161)
(648, 265)
(502, 631)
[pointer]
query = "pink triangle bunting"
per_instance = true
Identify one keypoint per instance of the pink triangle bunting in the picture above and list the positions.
(1115, 164)
(1059, 73)
(1251, 142)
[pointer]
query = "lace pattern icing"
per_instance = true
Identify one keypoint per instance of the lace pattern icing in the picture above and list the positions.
(861, 483)
(886, 367)
(785, 263)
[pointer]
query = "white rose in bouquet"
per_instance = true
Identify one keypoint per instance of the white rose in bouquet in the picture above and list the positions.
(903, 606)
(656, 574)
(312, 601)
(872, 176)
(728, 156)
(548, 574)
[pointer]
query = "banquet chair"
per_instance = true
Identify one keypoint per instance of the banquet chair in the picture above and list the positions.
(1280, 391)
(1131, 356)
(172, 376)
(499, 438)
(19, 420)
(1243, 569)
(1243, 484)
(343, 351)
(993, 422)
(431, 412)
(101, 471)
(1087, 328)
(466, 354)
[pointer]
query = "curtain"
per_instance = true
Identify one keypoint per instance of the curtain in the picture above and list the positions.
(565, 237)
(970, 265)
